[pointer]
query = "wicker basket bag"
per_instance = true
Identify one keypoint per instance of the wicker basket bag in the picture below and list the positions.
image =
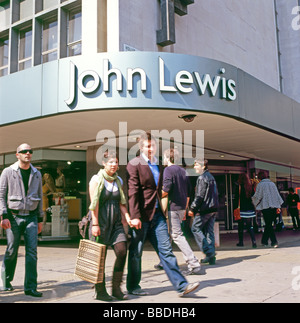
(90, 261)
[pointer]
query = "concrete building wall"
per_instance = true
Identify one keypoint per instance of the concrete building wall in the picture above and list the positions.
(238, 32)
(139, 20)
(288, 20)
(241, 33)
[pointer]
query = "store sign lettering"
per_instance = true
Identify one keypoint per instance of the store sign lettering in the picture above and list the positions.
(185, 82)
(296, 20)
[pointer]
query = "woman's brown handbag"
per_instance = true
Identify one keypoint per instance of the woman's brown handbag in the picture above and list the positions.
(90, 261)
(236, 212)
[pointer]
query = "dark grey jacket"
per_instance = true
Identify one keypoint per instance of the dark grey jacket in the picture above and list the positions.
(12, 191)
(206, 195)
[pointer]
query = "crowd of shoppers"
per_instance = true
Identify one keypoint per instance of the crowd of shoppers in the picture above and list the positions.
(21, 212)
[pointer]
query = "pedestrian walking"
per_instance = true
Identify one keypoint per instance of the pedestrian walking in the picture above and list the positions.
(21, 213)
(147, 219)
(108, 203)
(176, 186)
(204, 209)
(292, 204)
(243, 201)
(268, 200)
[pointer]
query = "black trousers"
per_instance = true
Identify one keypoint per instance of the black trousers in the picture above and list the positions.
(248, 222)
(294, 213)
(269, 233)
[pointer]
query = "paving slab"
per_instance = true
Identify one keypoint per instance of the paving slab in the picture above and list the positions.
(241, 275)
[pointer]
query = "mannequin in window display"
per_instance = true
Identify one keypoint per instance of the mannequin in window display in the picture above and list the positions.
(60, 181)
(48, 189)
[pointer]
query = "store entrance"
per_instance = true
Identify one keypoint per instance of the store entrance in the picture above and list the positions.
(226, 187)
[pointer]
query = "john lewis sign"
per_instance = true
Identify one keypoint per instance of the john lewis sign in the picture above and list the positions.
(126, 80)
(105, 79)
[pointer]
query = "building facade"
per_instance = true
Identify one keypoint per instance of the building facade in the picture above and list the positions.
(288, 29)
(77, 74)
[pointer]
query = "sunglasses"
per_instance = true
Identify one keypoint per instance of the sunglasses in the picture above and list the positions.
(25, 151)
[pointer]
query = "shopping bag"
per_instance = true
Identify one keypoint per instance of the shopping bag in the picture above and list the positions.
(90, 261)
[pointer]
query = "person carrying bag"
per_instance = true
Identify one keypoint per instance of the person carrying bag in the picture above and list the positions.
(245, 209)
(108, 204)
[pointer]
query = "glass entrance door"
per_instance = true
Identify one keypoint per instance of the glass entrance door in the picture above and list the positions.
(226, 187)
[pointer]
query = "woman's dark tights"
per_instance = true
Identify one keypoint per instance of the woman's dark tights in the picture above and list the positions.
(249, 226)
(120, 250)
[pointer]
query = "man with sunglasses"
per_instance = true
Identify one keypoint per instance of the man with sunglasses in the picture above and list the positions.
(21, 214)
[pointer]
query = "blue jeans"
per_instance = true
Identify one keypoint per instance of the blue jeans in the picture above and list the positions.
(203, 230)
(157, 231)
(26, 225)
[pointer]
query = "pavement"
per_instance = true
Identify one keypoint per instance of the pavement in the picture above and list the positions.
(241, 274)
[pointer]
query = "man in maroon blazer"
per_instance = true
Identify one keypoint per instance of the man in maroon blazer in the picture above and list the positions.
(147, 219)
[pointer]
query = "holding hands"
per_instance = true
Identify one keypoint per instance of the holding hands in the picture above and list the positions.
(5, 224)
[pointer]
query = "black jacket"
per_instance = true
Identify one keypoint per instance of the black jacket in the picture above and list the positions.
(245, 202)
(206, 195)
(292, 200)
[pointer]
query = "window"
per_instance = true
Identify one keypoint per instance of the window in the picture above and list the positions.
(74, 32)
(34, 32)
(25, 49)
(49, 41)
(25, 9)
(4, 56)
(4, 14)
(49, 3)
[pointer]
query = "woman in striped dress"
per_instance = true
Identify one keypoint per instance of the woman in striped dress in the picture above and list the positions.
(243, 198)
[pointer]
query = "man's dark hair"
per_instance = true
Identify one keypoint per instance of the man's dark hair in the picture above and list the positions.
(109, 154)
(145, 136)
(262, 175)
(202, 162)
